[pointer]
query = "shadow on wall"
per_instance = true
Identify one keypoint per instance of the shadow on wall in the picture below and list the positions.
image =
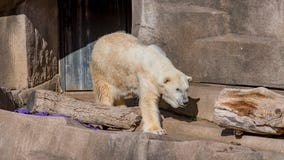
(82, 22)
(10, 7)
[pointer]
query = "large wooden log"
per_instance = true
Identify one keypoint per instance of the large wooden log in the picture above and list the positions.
(256, 110)
(87, 112)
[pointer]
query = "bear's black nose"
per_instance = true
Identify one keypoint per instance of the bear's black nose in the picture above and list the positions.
(185, 101)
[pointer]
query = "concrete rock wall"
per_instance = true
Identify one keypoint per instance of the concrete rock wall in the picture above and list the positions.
(44, 15)
(217, 41)
(254, 17)
(29, 42)
(42, 61)
(13, 53)
(26, 60)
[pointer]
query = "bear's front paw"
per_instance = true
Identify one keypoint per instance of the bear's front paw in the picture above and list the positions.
(157, 131)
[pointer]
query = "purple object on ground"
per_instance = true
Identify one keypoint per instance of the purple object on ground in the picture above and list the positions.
(41, 114)
(27, 111)
(22, 110)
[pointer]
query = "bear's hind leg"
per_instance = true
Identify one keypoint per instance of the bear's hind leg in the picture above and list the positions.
(103, 93)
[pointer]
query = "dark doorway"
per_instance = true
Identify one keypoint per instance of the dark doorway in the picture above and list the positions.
(82, 23)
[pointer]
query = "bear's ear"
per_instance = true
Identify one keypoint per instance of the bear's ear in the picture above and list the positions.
(189, 78)
(164, 81)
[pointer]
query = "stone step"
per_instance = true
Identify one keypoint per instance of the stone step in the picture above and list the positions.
(195, 21)
(175, 26)
(209, 131)
(176, 22)
(254, 17)
(34, 137)
(236, 60)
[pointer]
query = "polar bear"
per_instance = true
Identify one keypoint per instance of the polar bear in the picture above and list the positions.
(122, 65)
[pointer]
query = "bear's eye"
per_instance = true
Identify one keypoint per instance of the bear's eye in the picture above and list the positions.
(179, 90)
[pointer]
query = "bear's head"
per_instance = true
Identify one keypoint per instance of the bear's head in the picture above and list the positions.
(174, 88)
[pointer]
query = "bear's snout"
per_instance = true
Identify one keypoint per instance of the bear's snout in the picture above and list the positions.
(185, 101)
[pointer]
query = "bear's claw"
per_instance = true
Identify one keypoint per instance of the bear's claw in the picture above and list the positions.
(158, 132)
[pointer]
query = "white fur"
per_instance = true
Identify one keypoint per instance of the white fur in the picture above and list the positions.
(122, 65)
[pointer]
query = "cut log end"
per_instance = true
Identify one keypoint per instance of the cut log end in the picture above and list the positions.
(257, 110)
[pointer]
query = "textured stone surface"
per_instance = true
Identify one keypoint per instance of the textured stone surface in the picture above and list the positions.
(42, 61)
(254, 17)
(209, 131)
(21, 96)
(33, 138)
(196, 37)
(44, 16)
(261, 18)
(235, 59)
(175, 25)
(25, 60)
(13, 53)
(6, 100)
(145, 12)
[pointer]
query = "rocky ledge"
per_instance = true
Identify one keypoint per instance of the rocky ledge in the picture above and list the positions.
(32, 137)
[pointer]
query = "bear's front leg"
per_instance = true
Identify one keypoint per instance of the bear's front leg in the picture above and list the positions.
(150, 113)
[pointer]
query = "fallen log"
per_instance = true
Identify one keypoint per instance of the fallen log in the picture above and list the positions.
(87, 112)
(256, 110)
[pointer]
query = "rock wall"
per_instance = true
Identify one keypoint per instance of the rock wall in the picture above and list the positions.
(44, 15)
(254, 17)
(217, 41)
(42, 61)
(29, 42)
(13, 53)
(25, 60)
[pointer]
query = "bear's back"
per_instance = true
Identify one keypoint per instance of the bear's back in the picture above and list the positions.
(119, 37)
(114, 58)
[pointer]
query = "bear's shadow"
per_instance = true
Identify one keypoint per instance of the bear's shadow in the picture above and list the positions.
(187, 113)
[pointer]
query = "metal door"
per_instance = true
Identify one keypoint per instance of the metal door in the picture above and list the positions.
(82, 22)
